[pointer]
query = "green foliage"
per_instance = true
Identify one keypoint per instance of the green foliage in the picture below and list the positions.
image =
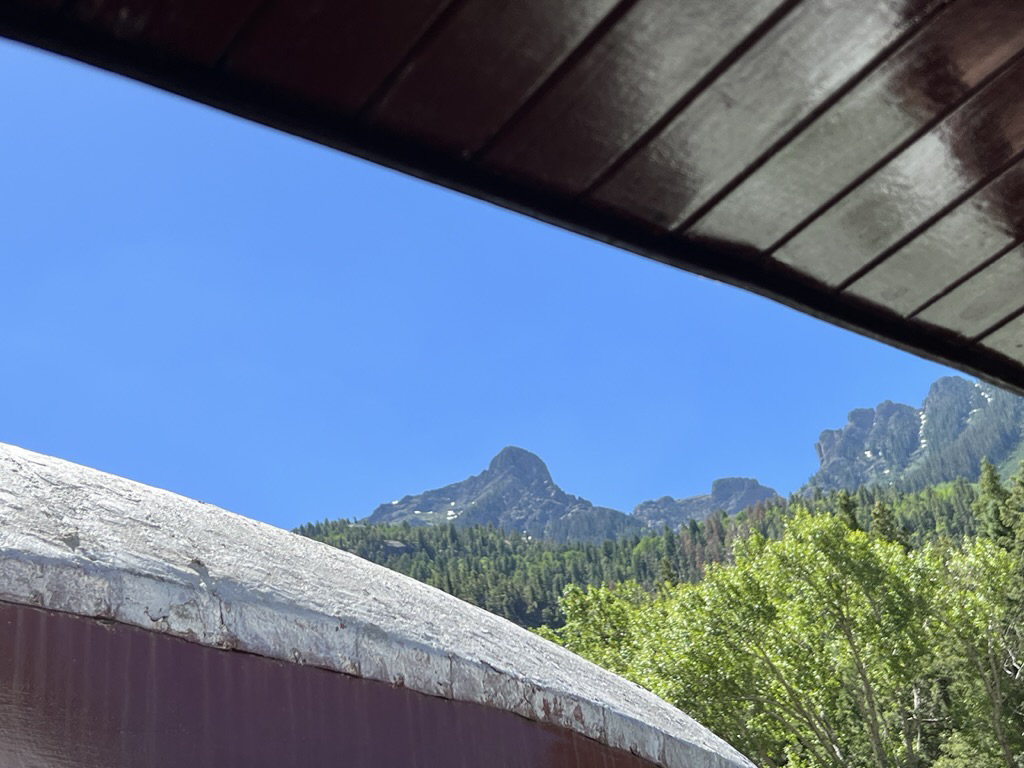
(837, 643)
(991, 508)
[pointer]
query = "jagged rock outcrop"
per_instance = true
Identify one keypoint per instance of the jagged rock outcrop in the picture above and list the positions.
(730, 494)
(958, 424)
(876, 445)
(515, 493)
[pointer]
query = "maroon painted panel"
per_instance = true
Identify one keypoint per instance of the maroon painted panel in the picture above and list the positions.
(984, 300)
(928, 75)
(798, 64)
(481, 67)
(956, 244)
(199, 30)
(79, 692)
(648, 61)
(332, 52)
(973, 142)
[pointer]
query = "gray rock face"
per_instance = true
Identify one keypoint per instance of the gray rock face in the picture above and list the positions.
(876, 445)
(730, 494)
(958, 424)
(515, 493)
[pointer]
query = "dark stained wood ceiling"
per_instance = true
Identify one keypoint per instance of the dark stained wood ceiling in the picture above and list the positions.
(863, 162)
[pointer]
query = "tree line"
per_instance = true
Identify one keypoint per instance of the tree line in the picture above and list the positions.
(522, 578)
(849, 640)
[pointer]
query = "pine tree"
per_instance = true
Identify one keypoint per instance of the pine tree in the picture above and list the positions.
(883, 521)
(991, 507)
(846, 509)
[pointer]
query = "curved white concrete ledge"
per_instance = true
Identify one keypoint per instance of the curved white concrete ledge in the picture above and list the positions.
(77, 540)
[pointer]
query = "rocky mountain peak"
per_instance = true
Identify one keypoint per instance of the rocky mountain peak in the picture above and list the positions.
(515, 493)
(725, 489)
(521, 464)
(947, 386)
(729, 494)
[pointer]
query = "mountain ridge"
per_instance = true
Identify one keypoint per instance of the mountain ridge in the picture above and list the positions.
(516, 492)
(892, 445)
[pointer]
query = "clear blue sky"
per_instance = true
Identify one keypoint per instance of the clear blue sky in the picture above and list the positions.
(208, 306)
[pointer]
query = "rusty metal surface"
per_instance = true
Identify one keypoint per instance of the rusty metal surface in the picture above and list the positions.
(77, 692)
(850, 160)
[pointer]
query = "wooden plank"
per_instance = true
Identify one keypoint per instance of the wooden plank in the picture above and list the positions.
(481, 67)
(198, 30)
(647, 62)
(790, 71)
(928, 75)
(49, 5)
(334, 53)
(955, 245)
(973, 142)
(986, 298)
(1008, 340)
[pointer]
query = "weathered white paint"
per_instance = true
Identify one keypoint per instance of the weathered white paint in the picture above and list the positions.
(81, 541)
